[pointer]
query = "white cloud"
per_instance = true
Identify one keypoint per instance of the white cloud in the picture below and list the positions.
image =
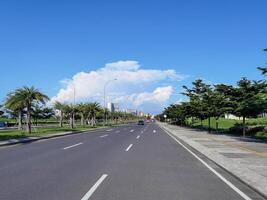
(131, 81)
(159, 95)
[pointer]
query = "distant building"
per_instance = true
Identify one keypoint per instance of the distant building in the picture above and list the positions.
(110, 107)
(231, 116)
(113, 107)
(116, 107)
(141, 114)
(131, 111)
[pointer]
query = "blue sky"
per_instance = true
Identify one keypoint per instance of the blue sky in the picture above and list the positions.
(44, 42)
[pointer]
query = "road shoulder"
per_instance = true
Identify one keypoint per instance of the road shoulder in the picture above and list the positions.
(244, 163)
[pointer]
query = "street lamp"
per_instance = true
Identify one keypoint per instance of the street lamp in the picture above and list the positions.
(105, 85)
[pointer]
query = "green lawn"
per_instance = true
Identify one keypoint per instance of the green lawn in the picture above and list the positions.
(226, 124)
(15, 134)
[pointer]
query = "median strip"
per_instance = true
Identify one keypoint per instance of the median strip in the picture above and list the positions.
(95, 186)
(128, 148)
(72, 146)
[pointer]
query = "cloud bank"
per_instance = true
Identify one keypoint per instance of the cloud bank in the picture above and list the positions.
(132, 82)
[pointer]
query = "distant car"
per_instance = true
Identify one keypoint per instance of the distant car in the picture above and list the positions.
(141, 122)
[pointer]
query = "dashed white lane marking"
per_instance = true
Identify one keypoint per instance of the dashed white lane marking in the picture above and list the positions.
(128, 148)
(72, 146)
(102, 136)
(131, 131)
(117, 131)
(154, 131)
(138, 136)
(109, 130)
(242, 194)
(95, 186)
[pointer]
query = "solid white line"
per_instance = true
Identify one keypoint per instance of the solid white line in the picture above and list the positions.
(72, 146)
(242, 194)
(109, 130)
(138, 136)
(128, 148)
(102, 136)
(95, 186)
(131, 131)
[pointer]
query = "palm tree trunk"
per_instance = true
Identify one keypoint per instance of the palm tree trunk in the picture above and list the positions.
(244, 126)
(71, 121)
(82, 119)
(61, 119)
(20, 120)
(29, 128)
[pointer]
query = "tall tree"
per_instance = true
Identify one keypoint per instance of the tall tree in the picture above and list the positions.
(196, 95)
(81, 108)
(15, 107)
(60, 107)
(249, 99)
(263, 69)
(69, 111)
(27, 96)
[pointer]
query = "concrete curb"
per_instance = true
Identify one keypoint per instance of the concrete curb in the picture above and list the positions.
(33, 139)
(221, 162)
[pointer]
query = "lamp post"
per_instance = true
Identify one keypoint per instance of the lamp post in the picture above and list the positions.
(105, 85)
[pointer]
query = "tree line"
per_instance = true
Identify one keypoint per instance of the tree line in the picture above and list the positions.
(29, 104)
(247, 99)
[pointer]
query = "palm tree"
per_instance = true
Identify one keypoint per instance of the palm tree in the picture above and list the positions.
(69, 110)
(15, 106)
(81, 108)
(60, 107)
(91, 111)
(27, 96)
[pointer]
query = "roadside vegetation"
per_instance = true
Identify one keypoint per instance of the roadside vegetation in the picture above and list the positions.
(25, 113)
(208, 105)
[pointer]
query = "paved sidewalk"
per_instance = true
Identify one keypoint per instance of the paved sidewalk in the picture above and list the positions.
(246, 159)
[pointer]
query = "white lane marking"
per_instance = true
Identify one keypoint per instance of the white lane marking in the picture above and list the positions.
(128, 148)
(138, 136)
(72, 146)
(131, 131)
(142, 131)
(102, 136)
(109, 130)
(95, 186)
(117, 131)
(242, 194)
(154, 131)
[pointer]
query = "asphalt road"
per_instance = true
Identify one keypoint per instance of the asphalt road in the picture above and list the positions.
(129, 162)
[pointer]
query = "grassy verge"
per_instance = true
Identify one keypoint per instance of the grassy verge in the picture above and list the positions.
(16, 134)
(226, 124)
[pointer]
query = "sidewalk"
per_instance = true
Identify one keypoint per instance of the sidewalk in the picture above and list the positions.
(246, 159)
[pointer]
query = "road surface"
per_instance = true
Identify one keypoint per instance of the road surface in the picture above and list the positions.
(128, 162)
